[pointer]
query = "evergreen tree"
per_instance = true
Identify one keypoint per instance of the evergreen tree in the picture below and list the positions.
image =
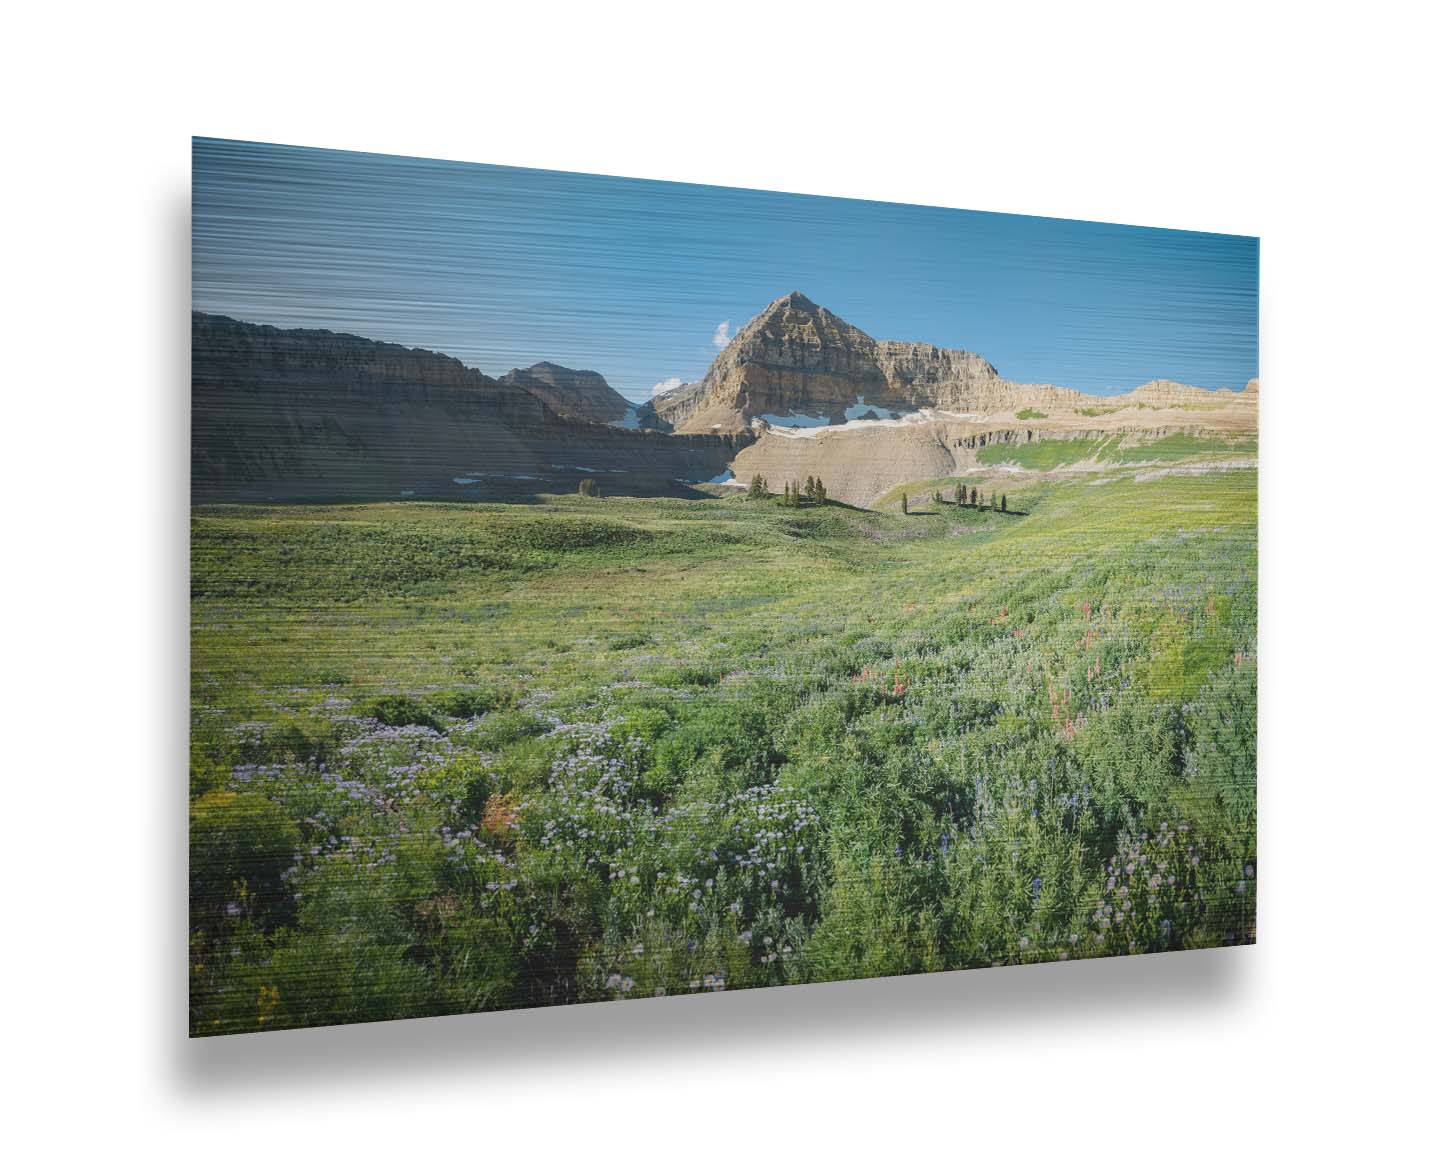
(757, 486)
(1002, 504)
(959, 494)
(904, 505)
(974, 497)
(992, 501)
(820, 490)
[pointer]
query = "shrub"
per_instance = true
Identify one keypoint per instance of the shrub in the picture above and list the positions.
(1150, 899)
(507, 727)
(240, 847)
(315, 980)
(302, 739)
(464, 703)
(525, 764)
(400, 712)
(641, 725)
(729, 744)
(462, 785)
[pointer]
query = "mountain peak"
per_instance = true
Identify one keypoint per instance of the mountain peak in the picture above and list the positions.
(791, 301)
(571, 391)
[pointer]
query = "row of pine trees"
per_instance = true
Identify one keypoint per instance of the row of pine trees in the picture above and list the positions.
(964, 497)
(813, 491)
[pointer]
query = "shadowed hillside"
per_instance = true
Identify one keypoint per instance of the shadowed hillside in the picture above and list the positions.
(303, 414)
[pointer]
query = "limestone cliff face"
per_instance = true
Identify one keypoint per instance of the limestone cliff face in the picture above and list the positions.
(931, 377)
(860, 463)
(300, 414)
(793, 356)
(1168, 394)
(571, 392)
(798, 357)
(233, 359)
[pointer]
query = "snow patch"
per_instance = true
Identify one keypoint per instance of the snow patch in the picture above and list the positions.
(726, 477)
(793, 419)
(905, 420)
(859, 408)
(480, 477)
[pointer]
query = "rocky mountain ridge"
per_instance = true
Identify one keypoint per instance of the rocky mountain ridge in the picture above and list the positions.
(571, 392)
(862, 461)
(798, 357)
(309, 414)
(301, 414)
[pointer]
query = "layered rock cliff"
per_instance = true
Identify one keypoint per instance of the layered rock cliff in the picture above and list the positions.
(862, 461)
(571, 392)
(1168, 394)
(302, 414)
(799, 357)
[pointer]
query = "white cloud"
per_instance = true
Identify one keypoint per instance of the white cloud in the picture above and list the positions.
(666, 386)
(722, 334)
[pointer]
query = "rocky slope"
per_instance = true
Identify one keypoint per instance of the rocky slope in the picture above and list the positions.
(799, 358)
(582, 394)
(861, 461)
(300, 414)
(866, 415)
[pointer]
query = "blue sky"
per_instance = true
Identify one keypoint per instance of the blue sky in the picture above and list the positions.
(640, 280)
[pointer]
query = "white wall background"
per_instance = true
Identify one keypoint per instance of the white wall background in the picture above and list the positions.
(1312, 127)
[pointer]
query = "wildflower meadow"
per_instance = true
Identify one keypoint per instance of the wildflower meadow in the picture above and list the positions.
(459, 757)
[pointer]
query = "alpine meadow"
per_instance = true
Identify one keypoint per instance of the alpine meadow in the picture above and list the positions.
(737, 653)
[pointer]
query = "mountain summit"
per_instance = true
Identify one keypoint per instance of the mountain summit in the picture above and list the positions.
(570, 391)
(283, 414)
(797, 358)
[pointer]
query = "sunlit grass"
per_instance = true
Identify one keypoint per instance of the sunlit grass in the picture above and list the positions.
(590, 749)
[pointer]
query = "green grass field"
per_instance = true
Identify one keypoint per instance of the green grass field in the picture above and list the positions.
(453, 757)
(1047, 455)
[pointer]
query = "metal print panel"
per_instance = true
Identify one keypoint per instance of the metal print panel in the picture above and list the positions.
(606, 589)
